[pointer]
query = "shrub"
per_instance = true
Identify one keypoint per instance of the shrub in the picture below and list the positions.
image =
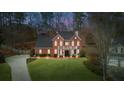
(116, 73)
(30, 60)
(93, 64)
(82, 53)
(42, 55)
(2, 58)
(32, 53)
(49, 55)
(55, 55)
(94, 67)
(74, 55)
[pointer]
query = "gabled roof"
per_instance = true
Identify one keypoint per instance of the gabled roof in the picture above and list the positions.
(44, 40)
(67, 34)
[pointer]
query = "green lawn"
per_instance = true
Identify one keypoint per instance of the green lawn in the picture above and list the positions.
(5, 72)
(60, 69)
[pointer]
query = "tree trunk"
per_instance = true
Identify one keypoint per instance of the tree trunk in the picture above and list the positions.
(104, 69)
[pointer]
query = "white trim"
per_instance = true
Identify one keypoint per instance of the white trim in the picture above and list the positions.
(75, 36)
(48, 51)
(58, 35)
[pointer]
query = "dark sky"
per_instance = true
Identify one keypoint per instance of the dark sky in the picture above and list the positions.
(67, 19)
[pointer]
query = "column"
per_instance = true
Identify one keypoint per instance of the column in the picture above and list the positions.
(71, 53)
(63, 51)
(58, 52)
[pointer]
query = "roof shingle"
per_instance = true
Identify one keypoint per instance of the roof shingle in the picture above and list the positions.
(44, 41)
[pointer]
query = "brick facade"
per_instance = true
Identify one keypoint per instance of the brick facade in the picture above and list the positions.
(61, 47)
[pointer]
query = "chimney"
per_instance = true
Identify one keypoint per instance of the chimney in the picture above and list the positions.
(76, 33)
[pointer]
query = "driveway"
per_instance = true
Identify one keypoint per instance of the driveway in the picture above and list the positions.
(19, 70)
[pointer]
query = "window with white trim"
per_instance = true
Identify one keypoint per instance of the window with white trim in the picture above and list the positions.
(75, 37)
(60, 43)
(55, 51)
(57, 37)
(55, 43)
(48, 51)
(66, 43)
(72, 43)
(78, 43)
(40, 51)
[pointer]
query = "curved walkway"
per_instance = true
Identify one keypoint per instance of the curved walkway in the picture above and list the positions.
(19, 70)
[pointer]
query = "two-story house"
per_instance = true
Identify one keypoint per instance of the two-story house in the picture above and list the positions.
(66, 43)
(116, 52)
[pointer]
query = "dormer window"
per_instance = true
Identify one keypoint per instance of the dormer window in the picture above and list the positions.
(55, 43)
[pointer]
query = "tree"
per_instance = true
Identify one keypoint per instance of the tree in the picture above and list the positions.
(79, 20)
(19, 17)
(46, 18)
(105, 28)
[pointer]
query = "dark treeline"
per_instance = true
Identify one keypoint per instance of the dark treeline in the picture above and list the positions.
(11, 22)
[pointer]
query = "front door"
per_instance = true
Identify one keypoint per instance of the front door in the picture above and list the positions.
(67, 54)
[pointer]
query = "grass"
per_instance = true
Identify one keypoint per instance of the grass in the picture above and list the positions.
(5, 72)
(61, 70)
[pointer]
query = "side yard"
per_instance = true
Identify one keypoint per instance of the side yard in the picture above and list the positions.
(5, 72)
(61, 70)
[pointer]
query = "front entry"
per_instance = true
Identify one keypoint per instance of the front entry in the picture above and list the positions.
(67, 54)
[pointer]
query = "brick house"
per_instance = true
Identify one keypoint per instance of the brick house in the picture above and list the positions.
(64, 44)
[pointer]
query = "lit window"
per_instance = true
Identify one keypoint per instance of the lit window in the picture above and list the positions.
(55, 43)
(48, 51)
(75, 38)
(40, 51)
(72, 43)
(78, 43)
(66, 43)
(60, 43)
(55, 51)
(57, 37)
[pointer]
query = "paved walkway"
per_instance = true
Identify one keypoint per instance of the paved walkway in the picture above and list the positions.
(19, 70)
